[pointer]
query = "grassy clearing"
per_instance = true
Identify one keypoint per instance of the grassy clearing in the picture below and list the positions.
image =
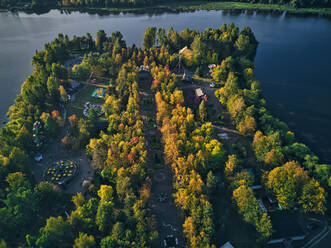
(83, 96)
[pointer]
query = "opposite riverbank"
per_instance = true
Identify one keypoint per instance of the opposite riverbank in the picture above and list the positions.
(194, 5)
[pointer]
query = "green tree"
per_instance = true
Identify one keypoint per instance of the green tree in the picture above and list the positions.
(104, 216)
(287, 182)
(313, 198)
(63, 93)
(202, 111)
(100, 38)
(84, 241)
(53, 89)
(232, 165)
(57, 231)
(149, 37)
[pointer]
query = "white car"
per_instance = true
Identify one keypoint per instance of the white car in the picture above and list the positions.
(212, 85)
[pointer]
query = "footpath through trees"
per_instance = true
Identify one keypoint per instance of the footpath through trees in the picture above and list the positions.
(161, 202)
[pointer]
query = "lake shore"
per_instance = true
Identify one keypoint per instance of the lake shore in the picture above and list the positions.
(196, 5)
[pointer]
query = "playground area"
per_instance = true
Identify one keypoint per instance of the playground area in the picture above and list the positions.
(61, 172)
(98, 92)
(88, 97)
(56, 165)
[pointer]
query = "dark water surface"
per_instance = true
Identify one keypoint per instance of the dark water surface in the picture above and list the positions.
(293, 60)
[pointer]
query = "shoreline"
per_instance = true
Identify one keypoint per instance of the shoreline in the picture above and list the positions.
(189, 6)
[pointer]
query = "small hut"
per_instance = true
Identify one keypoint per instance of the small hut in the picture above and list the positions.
(199, 96)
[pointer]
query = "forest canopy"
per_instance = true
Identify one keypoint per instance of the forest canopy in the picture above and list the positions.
(115, 212)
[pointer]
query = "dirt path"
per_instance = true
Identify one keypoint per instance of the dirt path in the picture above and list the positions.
(169, 222)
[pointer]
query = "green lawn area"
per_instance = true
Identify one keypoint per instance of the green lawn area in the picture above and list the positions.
(83, 96)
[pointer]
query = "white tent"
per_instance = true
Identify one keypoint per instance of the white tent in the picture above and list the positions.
(227, 245)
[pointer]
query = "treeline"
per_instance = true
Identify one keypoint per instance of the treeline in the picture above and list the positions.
(280, 156)
(49, 4)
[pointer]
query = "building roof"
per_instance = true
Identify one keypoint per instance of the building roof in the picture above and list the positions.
(185, 50)
(227, 245)
(199, 92)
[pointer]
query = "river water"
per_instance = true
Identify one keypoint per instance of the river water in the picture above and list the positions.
(292, 62)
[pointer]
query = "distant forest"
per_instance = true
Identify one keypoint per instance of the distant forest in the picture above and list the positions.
(41, 4)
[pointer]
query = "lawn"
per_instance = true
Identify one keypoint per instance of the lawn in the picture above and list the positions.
(83, 96)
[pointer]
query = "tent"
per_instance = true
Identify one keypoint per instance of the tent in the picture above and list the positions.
(227, 245)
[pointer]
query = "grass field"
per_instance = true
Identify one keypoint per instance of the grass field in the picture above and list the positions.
(83, 96)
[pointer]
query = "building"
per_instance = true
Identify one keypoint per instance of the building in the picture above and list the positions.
(185, 51)
(199, 96)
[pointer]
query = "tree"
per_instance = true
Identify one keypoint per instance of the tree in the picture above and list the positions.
(84, 241)
(63, 93)
(202, 112)
(247, 126)
(104, 216)
(100, 38)
(53, 88)
(3, 244)
(249, 208)
(59, 71)
(232, 165)
(50, 125)
(149, 37)
(287, 183)
(118, 231)
(47, 198)
(106, 193)
(73, 121)
(161, 37)
(57, 231)
(16, 181)
(211, 181)
(274, 157)
(92, 115)
(264, 227)
(217, 153)
(80, 72)
(313, 198)
(109, 242)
